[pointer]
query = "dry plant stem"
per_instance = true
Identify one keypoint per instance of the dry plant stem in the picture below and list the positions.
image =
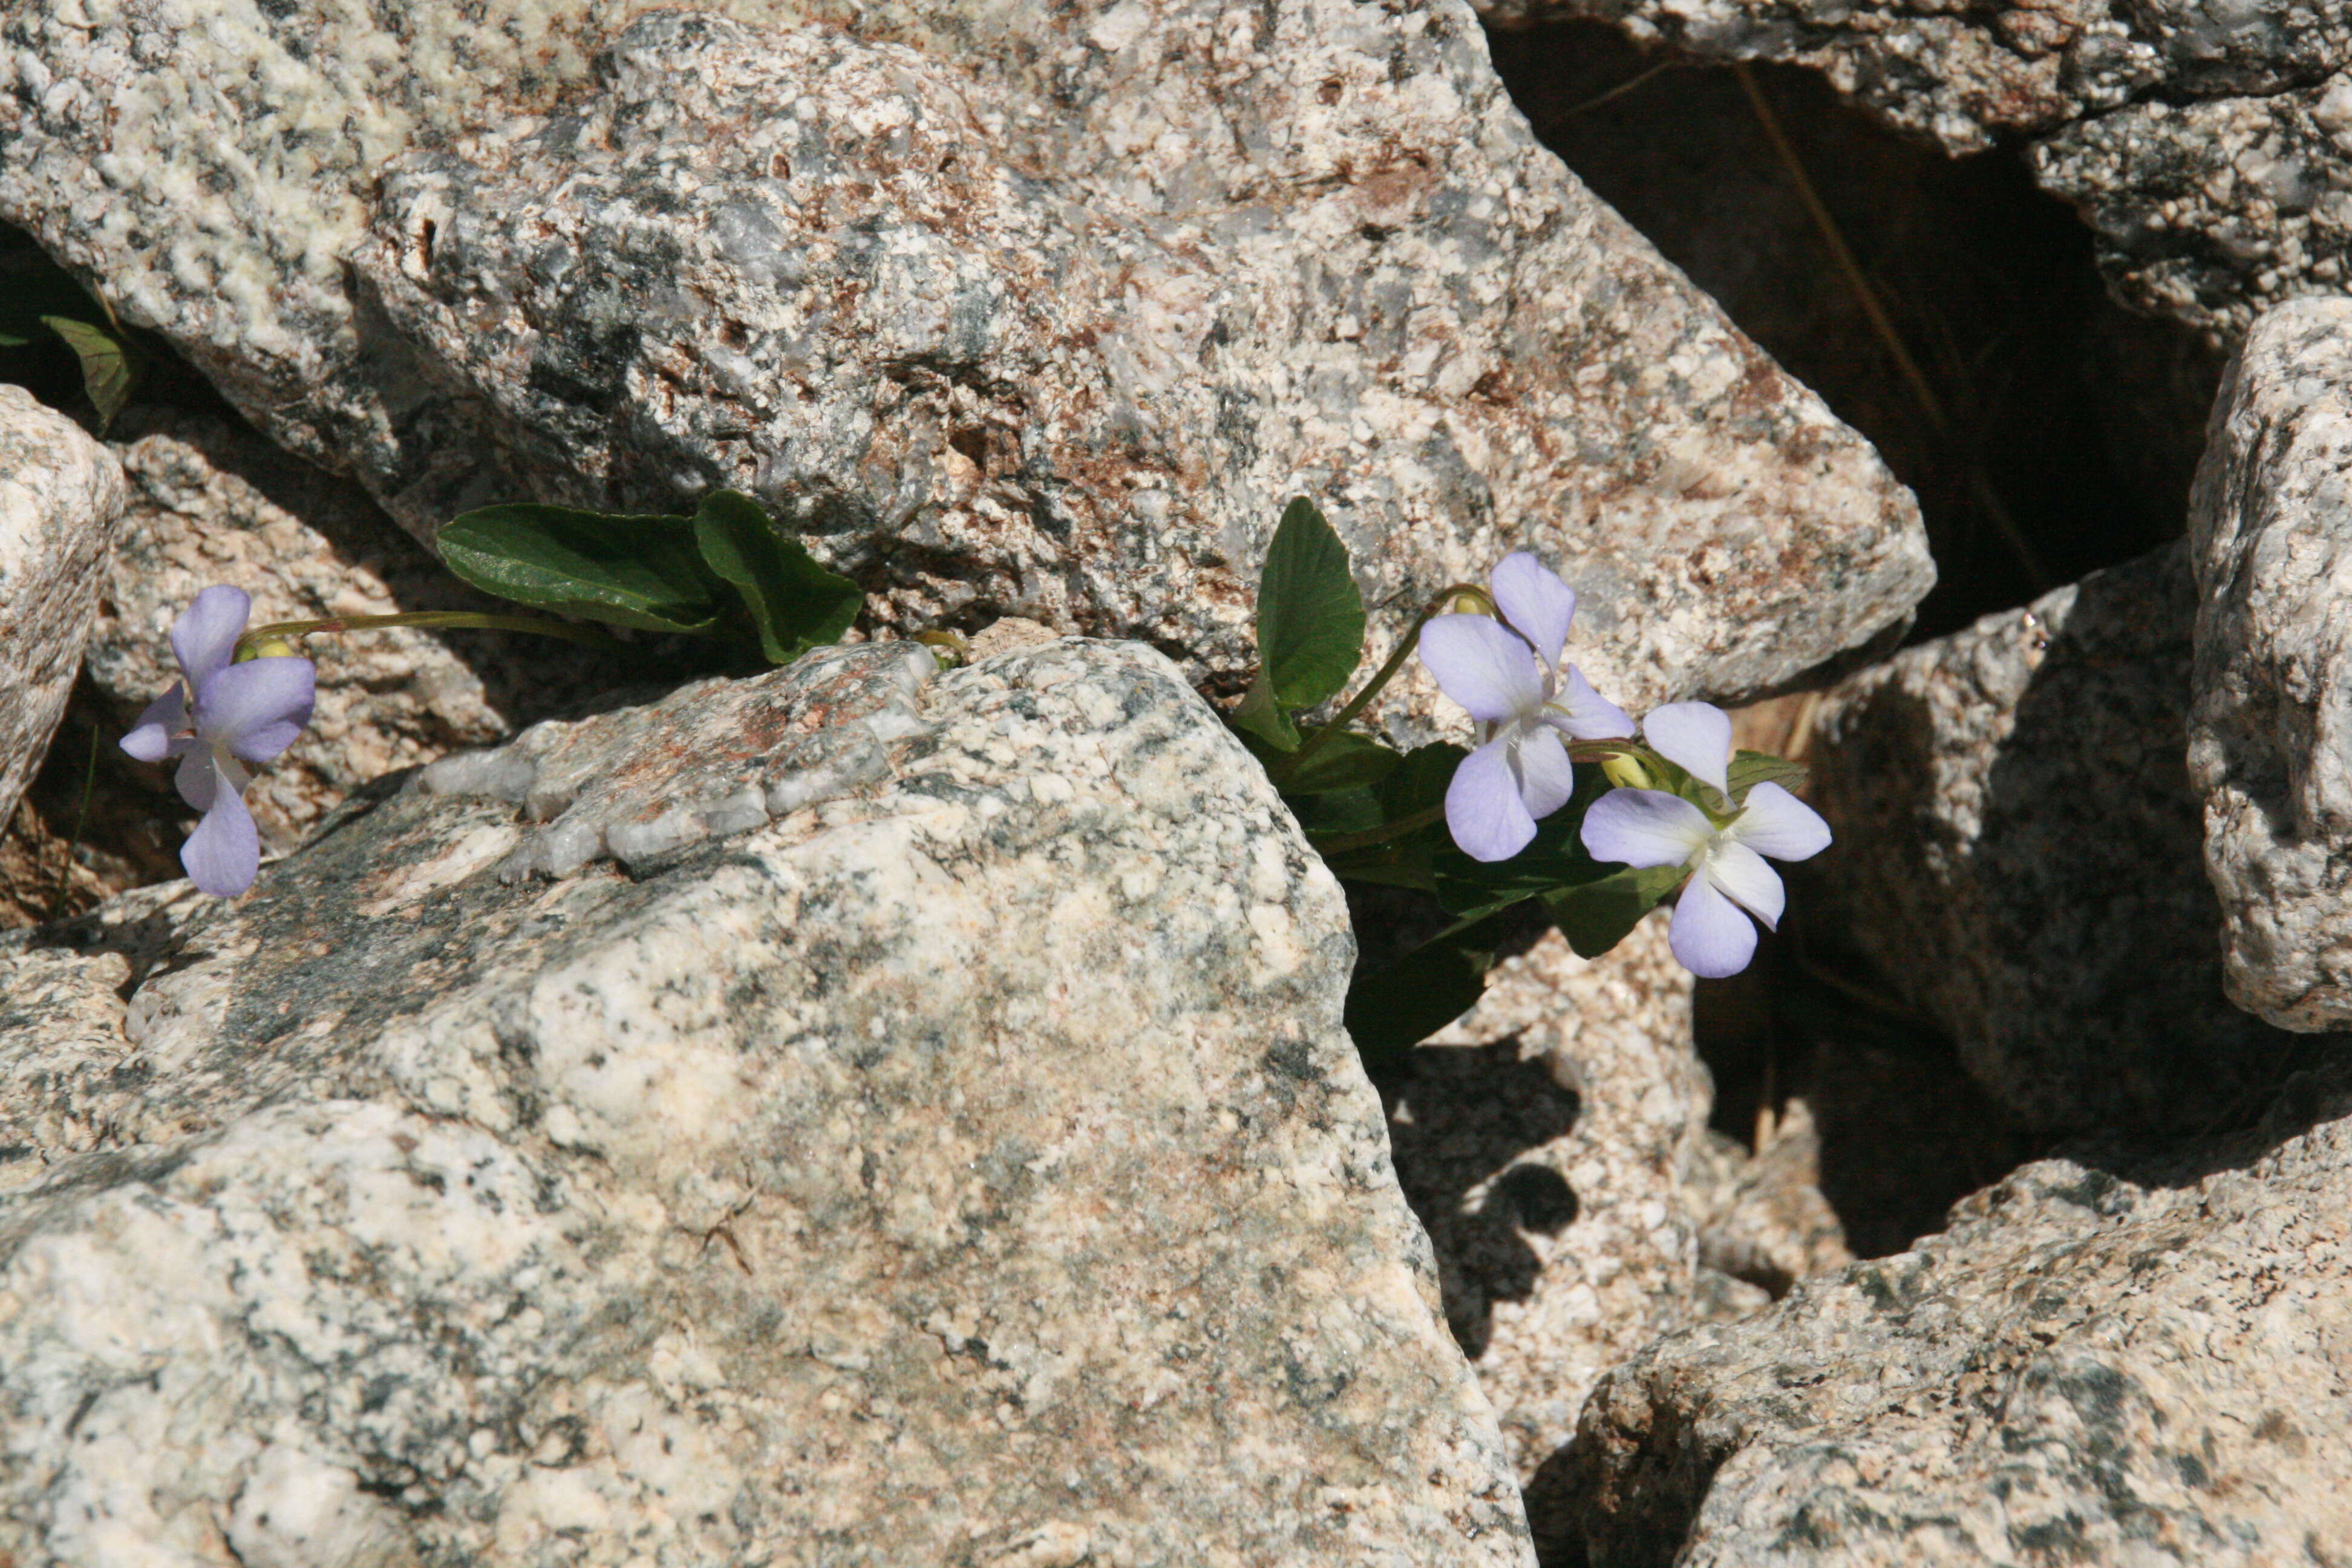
(454, 619)
(81, 819)
(1881, 323)
(1622, 87)
(1386, 673)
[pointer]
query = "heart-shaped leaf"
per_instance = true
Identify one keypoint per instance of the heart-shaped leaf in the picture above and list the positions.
(1310, 618)
(107, 366)
(640, 572)
(794, 603)
(1261, 719)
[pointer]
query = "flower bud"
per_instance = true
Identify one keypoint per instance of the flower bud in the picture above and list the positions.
(1627, 770)
(1471, 602)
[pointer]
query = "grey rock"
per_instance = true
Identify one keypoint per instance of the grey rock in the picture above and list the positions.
(2020, 855)
(2215, 212)
(2270, 749)
(1761, 1217)
(60, 496)
(970, 1168)
(1554, 1142)
(2209, 146)
(1014, 309)
(2134, 1362)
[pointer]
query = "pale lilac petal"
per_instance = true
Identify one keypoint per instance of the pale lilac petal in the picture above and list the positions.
(1695, 737)
(1483, 667)
(255, 709)
(1533, 599)
(159, 731)
(1748, 879)
(1777, 824)
(1644, 828)
(199, 778)
(224, 851)
(1482, 808)
(1547, 778)
(1710, 935)
(205, 635)
(1585, 713)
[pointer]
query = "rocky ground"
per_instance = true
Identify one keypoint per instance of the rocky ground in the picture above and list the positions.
(868, 1113)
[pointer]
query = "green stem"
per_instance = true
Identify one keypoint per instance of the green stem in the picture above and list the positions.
(1341, 842)
(470, 620)
(1387, 672)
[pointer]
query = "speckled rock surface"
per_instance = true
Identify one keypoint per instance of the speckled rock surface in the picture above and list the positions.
(1554, 1144)
(2020, 854)
(1761, 1218)
(2215, 212)
(2209, 146)
(968, 1169)
(211, 504)
(2139, 1364)
(1015, 308)
(61, 497)
(2270, 738)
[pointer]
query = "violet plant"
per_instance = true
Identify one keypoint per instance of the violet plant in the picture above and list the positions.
(1563, 800)
(728, 572)
(224, 714)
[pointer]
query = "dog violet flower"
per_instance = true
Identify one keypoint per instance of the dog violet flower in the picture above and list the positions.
(222, 715)
(1645, 827)
(1509, 677)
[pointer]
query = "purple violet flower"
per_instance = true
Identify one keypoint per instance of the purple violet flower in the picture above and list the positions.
(1524, 699)
(1650, 827)
(220, 717)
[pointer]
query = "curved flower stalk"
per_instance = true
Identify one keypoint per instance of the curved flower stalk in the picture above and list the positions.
(1725, 850)
(1509, 677)
(223, 715)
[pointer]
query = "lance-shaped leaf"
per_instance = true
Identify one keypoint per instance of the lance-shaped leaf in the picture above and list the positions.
(1750, 769)
(794, 603)
(1392, 1009)
(1345, 760)
(640, 572)
(1310, 618)
(1596, 916)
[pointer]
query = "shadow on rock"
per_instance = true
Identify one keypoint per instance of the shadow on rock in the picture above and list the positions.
(2020, 859)
(1459, 1126)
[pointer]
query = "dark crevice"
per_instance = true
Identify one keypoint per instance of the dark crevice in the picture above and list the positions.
(2052, 417)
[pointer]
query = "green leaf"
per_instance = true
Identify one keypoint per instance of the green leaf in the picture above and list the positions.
(1421, 779)
(11, 341)
(1392, 1009)
(1310, 618)
(639, 571)
(1345, 760)
(1750, 769)
(1598, 915)
(108, 367)
(794, 603)
(1337, 811)
(1261, 717)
